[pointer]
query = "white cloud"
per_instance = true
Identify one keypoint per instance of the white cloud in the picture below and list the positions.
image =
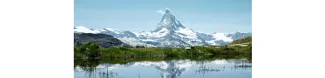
(160, 11)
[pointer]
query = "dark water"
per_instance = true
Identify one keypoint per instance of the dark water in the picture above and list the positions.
(182, 68)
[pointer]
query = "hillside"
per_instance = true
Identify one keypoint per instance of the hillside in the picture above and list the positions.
(243, 40)
(102, 40)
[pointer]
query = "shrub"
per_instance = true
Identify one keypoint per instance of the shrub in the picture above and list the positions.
(90, 50)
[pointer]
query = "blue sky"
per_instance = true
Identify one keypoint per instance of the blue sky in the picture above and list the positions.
(225, 16)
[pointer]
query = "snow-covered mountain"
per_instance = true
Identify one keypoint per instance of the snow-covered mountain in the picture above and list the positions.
(169, 33)
(83, 29)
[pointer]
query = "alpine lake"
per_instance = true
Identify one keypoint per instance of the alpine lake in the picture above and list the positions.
(221, 66)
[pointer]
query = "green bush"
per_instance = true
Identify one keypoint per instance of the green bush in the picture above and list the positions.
(244, 40)
(77, 53)
(90, 50)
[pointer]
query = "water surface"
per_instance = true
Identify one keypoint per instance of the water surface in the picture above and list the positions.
(182, 68)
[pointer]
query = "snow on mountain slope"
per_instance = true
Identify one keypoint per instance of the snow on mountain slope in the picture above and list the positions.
(221, 36)
(187, 33)
(144, 34)
(118, 33)
(160, 33)
(82, 29)
(238, 35)
(215, 38)
(205, 36)
(189, 36)
(170, 32)
(217, 42)
(174, 33)
(135, 42)
(157, 34)
(211, 42)
(114, 30)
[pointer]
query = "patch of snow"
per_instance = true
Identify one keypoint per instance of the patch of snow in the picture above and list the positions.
(147, 40)
(188, 33)
(211, 42)
(160, 33)
(137, 33)
(222, 36)
(144, 33)
(114, 30)
(83, 29)
(165, 22)
(134, 42)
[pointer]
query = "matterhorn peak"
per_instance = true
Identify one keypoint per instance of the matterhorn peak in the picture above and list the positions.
(167, 10)
(169, 21)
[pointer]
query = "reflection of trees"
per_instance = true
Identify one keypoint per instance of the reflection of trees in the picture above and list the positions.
(235, 64)
(204, 69)
(89, 66)
(107, 74)
(242, 64)
(91, 70)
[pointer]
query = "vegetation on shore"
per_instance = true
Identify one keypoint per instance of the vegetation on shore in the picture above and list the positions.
(91, 54)
(244, 40)
(93, 51)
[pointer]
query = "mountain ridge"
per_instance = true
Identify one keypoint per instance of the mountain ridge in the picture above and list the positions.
(103, 40)
(169, 33)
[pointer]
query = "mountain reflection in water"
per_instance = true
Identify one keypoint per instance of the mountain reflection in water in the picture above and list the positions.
(231, 68)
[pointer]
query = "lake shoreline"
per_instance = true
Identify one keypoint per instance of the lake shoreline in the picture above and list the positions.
(93, 51)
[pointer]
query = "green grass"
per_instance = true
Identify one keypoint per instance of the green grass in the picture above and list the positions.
(244, 40)
(93, 51)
